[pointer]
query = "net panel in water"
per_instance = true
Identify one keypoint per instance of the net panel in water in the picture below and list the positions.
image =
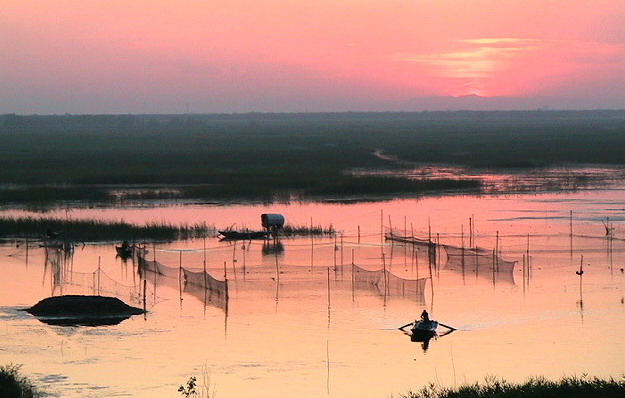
(386, 283)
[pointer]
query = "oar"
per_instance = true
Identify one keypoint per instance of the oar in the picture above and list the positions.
(447, 326)
(408, 324)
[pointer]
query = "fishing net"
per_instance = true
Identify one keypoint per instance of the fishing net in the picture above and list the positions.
(388, 284)
(96, 283)
(158, 268)
(479, 261)
(424, 245)
(206, 288)
(199, 284)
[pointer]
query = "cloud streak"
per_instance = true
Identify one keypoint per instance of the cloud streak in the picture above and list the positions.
(482, 65)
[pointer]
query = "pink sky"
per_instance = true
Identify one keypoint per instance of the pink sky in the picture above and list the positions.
(167, 56)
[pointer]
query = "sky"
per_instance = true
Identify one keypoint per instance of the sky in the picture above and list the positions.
(197, 56)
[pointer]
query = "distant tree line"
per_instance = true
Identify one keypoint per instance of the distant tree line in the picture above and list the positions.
(14, 122)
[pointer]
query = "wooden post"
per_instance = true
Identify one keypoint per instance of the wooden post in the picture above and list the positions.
(312, 245)
(429, 231)
(341, 253)
(328, 270)
(145, 288)
(523, 272)
(497, 251)
(438, 253)
(205, 254)
(180, 275)
(180, 266)
(571, 230)
(462, 237)
(381, 226)
(473, 232)
(99, 270)
(477, 262)
(336, 248)
(529, 261)
(358, 234)
(494, 265)
(462, 248)
(581, 273)
(405, 229)
(385, 276)
(353, 265)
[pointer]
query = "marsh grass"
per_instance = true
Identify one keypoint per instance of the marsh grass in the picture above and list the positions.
(14, 385)
(203, 389)
(569, 387)
(264, 156)
(307, 230)
(93, 230)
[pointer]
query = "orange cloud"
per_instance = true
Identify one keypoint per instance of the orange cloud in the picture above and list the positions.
(510, 66)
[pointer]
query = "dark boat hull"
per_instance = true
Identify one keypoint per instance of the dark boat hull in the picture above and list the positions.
(247, 235)
(124, 251)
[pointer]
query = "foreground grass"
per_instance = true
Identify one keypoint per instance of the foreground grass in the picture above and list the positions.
(569, 387)
(15, 385)
(93, 230)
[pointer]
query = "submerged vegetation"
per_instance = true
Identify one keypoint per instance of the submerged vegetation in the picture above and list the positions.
(569, 387)
(93, 230)
(268, 157)
(14, 385)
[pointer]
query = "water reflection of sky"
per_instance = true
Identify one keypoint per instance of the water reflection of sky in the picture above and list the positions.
(520, 180)
(283, 335)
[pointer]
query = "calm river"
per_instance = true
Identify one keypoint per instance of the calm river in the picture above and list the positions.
(319, 317)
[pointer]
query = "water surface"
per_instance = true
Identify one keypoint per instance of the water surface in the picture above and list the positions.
(298, 322)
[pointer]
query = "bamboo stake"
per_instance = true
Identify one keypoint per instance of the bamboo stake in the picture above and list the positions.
(145, 288)
(99, 270)
(571, 231)
(353, 265)
(381, 226)
(341, 253)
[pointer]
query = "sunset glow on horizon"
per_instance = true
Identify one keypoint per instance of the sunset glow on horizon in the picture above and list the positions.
(239, 56)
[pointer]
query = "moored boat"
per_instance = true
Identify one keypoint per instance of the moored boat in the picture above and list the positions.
(124, 250)
(243, 235)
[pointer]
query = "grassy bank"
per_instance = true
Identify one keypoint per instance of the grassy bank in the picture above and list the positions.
(570, 387)
(246, 188)
(267, 156)
(93, 230)
(14, 385)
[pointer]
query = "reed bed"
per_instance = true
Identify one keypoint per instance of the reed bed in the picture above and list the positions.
(93, 230)
(568, 387)
(307, 230)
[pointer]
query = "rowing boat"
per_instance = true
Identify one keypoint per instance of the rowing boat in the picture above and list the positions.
(424, 328)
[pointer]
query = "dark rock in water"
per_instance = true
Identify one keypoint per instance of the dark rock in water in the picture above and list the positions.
(74, 310)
